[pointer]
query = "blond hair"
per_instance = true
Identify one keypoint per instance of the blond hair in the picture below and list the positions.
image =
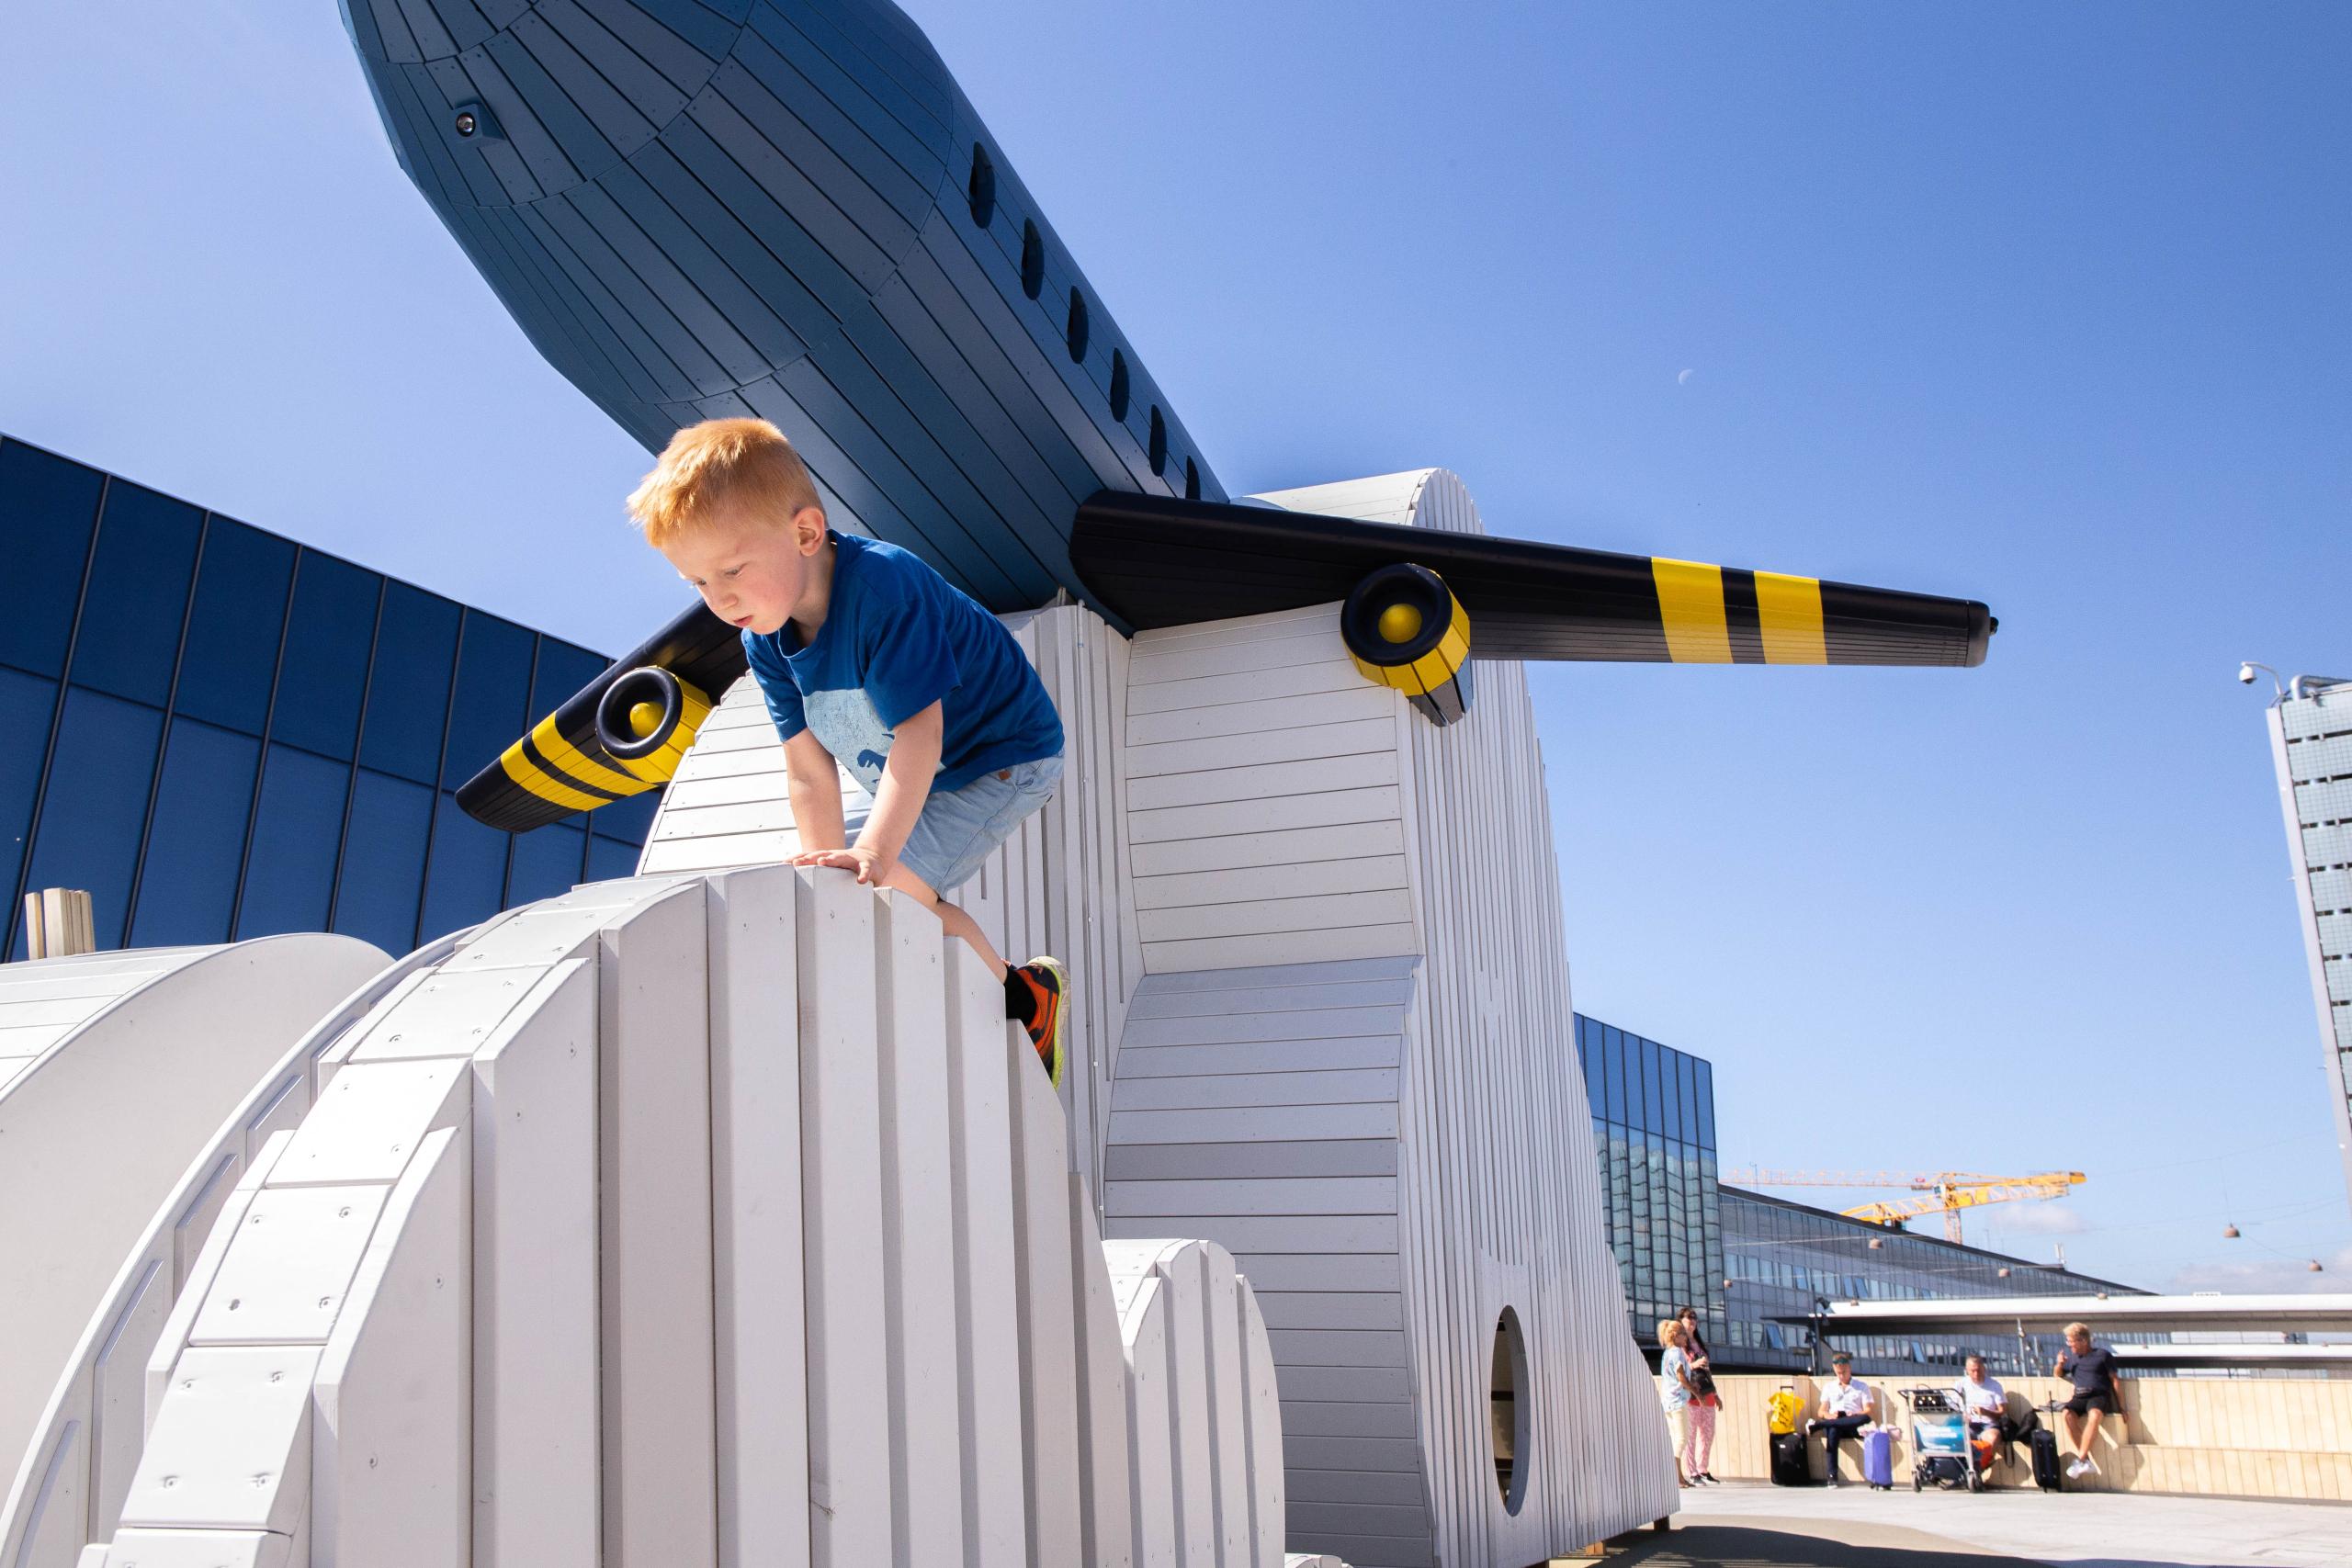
(1670, 1331)
(741, 463)
(2082, 1328)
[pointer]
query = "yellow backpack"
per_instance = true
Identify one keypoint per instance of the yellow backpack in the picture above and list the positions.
(1781, 1410)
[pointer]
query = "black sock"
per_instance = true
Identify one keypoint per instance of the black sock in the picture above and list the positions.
(1019, 1001)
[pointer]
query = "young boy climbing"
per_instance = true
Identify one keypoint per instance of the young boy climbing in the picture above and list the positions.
(870, 658)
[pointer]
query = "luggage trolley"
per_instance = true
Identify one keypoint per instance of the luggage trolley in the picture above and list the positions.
(1941, 1450)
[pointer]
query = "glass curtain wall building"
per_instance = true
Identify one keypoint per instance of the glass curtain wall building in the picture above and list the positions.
(1654, 1132)
(221, 733)
(1785, 1258)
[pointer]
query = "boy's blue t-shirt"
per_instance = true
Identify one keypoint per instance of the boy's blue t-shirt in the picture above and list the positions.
(898, 637)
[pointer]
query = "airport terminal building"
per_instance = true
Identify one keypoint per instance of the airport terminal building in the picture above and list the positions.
(221, 733)
(1756, 1266)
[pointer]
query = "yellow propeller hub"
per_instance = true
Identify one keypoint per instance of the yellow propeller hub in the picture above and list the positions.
(1400, 623)
(644, 718)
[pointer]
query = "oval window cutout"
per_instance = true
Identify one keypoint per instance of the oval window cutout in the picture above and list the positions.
(1076, 331)
(981, 188)
(1119, 386)
(1506, 1391)
(1033, 260)
(1159, 440)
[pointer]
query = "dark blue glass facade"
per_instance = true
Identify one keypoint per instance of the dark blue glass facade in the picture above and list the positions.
(1654, 1132)
(221, 733)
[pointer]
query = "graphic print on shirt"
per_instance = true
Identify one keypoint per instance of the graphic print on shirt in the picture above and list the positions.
(845, 723)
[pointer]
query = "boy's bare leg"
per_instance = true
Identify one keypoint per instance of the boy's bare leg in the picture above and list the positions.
(957, 923)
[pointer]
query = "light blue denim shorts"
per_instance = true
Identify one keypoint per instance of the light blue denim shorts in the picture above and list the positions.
(958, 829)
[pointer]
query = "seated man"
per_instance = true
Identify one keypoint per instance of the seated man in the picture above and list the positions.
(2091, 1370)
(1846, 1408)
(1983, 1398)
(1985, 1403)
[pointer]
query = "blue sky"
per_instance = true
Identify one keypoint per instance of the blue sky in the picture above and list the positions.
(2040, 305)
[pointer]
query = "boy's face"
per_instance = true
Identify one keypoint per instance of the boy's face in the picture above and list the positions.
(753, 571)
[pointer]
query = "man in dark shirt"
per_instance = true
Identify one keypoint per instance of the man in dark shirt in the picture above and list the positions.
(2092, 1371)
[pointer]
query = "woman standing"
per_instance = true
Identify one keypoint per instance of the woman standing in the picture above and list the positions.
(1675, 1391)
(1703, 1398)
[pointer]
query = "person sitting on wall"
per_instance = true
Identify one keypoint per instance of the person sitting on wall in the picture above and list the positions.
(1983, 1402)
(2091, 1370)
(1846, 1408)
(869, 661)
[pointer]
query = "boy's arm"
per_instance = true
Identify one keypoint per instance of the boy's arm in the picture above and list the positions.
(906, 784)
(813, 784)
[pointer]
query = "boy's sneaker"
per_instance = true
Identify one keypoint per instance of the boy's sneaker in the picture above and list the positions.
(2074, 1471)
(1047, 984)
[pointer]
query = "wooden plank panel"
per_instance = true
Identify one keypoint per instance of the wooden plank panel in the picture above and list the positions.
(655, 1323)
(392, 1462)
(1350, 1087)
(1257, 1195)
(1211, 691)
(1156, 1162)
(1315, 809)
(1228, 1408)
(1319, 1233)
(919, 1305)
(1298, 879)
(1277, 917)
(849, 1438)
(1106, 1503)
(1266, 1026)
(757, 1285)
(1253, 1124)
(1262, 1432)
(1049, 1427)
(1264, 1056)
(1151, 1467)
(1354, 942)
(1263, 716)
(1254, 779)
(536, 1443)
(979, 1144)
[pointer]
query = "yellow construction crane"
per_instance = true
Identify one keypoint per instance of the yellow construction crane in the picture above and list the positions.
(1950, 1191)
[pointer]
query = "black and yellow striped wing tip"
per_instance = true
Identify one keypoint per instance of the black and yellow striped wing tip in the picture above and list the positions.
(1152, 562)
(570, 761)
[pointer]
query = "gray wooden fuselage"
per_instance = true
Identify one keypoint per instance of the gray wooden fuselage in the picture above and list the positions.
(771, 208)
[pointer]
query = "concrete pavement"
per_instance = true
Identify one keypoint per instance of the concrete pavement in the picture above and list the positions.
(2087, 1530)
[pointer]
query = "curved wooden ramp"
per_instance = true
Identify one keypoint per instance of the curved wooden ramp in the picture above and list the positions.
(642, 1205)
(113, 1067)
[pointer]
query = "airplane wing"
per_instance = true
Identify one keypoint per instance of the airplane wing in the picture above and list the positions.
(622, 734)
(1156, 561)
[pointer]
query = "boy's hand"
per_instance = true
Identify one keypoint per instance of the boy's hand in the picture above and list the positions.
(873, 867)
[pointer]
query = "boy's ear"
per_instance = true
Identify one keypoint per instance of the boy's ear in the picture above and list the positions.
(809, 529)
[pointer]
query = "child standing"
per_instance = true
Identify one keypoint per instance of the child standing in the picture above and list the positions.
(870, 660)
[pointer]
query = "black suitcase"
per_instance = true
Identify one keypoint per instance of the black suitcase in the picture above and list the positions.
(2045, 1459)
(1788, 1466)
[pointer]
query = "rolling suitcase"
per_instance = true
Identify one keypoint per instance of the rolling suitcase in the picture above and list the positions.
(2045, 1459)
(1788, 1466)
(1878, 1458)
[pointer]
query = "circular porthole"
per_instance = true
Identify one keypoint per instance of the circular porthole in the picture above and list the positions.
(1033, 260)
(1119, 386)
(1508, 1395)
(1076, 329)
(981, 188)
(1158, 450)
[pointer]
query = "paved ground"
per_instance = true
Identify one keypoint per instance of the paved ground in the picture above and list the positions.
(1755, 1526)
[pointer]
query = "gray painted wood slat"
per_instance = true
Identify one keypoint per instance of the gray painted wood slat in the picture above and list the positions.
(801, 199)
